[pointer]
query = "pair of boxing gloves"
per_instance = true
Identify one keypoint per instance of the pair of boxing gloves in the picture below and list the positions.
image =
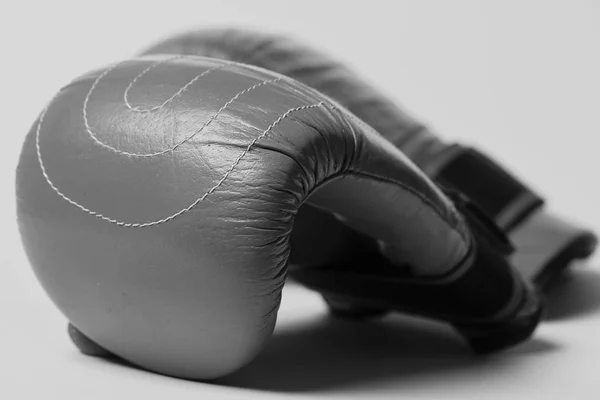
(162, 202)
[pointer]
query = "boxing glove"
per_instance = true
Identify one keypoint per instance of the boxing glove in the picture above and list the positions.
(157, 201)
(545, 242)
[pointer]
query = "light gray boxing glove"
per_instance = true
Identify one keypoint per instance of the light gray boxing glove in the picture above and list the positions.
(158, 199)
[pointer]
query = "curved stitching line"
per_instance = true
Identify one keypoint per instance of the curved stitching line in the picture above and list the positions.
(186, 139)
(178, 213)
(170, 99)
(179, 92)
(130, 154)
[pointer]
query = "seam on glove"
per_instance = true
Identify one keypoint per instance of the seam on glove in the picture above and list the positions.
(188, 138)
(212, 118)
(178, 213)
(148, 69)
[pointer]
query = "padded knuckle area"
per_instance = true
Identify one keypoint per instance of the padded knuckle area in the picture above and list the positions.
(136, 183)
(193, 123)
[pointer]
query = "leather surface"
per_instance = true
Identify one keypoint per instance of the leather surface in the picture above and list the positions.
(423, 147)
(317, 70)
(157, 200)
(318, 238)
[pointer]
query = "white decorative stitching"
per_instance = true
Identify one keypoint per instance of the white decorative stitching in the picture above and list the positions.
(170, 99)
(157, 153)
(192, 205)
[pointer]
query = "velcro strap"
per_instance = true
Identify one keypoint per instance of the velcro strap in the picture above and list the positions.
(493, 189)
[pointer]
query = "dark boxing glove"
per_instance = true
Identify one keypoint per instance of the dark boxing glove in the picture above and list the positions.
(158, 202)
(545, 242)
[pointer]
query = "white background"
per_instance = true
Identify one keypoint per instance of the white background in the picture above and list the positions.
(520, 79)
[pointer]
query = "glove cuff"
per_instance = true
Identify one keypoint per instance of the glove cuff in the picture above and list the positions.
(545, 243)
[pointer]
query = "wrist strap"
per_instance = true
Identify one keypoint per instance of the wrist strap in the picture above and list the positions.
(545, 243)
(494, 190)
